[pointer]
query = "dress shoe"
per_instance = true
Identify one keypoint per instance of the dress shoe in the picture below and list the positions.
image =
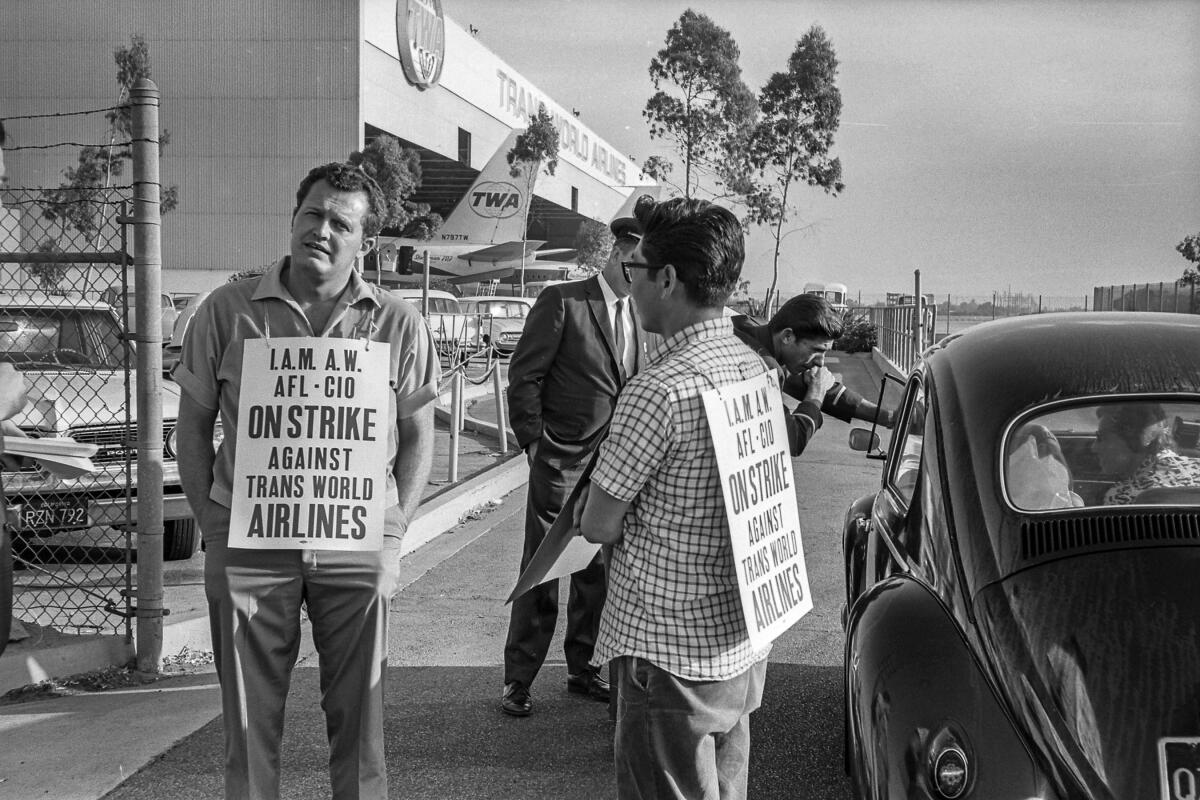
(589, 683)
(516, 701)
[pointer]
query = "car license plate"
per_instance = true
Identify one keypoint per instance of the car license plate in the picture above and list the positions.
(59, 512)
(1179, 767)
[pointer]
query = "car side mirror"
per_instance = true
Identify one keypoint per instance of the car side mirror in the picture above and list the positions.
(866, 441)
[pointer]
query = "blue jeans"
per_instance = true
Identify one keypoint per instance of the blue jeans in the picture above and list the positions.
(682, 739)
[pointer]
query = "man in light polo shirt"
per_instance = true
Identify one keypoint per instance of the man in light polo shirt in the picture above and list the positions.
(688, 676)
(260, 568)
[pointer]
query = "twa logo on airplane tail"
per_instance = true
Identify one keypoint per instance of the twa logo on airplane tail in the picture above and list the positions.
(494, 199)
(493, 209)
(484, 236)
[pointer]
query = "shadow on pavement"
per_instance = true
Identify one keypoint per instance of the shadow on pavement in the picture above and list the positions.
(446, 738)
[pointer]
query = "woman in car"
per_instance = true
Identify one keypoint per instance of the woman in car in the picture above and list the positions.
(1134, 441)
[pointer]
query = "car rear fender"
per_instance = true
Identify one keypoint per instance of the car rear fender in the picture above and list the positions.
(913, 690)
(855, 529)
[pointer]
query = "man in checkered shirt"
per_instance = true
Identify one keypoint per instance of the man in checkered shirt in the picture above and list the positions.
(688, 677)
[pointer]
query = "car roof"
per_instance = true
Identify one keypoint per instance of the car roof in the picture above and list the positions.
(1001, 368)
(499, 297)
(41, 300)
(411, 293)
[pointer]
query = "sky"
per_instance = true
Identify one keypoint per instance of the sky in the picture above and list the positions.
(1041, 147)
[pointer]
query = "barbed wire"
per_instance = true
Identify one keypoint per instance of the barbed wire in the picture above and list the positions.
(69, 202)
(65, 113)
(78, 144)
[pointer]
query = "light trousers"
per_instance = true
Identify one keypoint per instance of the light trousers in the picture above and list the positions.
(254, 605)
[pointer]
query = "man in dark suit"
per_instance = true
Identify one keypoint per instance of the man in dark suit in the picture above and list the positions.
(580, 344)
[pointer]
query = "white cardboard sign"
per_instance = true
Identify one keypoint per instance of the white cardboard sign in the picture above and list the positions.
(758, 484)
(311, 462)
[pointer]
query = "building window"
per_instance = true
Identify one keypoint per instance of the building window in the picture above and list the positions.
(574, 198)
(464, 147)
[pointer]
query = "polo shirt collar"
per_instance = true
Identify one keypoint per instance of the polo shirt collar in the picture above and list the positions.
(271, 286)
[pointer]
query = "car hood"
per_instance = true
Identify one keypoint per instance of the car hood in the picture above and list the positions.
(1099, 655)
(62, 400)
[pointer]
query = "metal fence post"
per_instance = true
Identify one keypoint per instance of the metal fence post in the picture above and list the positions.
(918, 328)
(147, 260)
(456, 421)
(501, 422)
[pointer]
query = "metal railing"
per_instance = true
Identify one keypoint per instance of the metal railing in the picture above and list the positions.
(1175, 297)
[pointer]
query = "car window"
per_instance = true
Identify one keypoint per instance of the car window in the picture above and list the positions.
(908, 444)
(69, 337)
(1114, 451)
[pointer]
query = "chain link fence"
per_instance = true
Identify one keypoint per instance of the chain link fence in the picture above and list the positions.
(63, 260)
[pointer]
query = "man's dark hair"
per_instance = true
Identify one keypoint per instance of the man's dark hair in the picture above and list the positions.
(809, 316)
(703, 241)
(347, 178)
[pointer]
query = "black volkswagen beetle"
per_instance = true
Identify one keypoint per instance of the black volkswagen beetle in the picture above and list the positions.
(1023, 593)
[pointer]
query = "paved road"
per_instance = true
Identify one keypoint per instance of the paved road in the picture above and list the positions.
(445, 735)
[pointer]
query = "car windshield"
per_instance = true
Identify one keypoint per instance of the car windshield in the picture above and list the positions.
(1120, 451)
(33, 338)
(500, 308)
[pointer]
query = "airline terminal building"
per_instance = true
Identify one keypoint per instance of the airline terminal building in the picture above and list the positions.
(256, 92)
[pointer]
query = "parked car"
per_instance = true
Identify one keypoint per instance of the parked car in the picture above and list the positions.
(181, 299)
(1022, 617)
(174, 346)
(454, 331)
(502, 318)
(72, 354)
(167, 313)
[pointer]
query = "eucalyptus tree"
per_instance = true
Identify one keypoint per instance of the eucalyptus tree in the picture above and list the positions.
(535, 148)
(791, 142)
(83, 201)
(593, 243)
(1189, 248)
(700, 103)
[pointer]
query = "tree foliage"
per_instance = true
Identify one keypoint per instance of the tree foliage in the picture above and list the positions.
(83, 201)
(535, 148)
(537, 144)
(397, 170)
(593, 243)
(708, 111)
(791, 142)
(1189, 248)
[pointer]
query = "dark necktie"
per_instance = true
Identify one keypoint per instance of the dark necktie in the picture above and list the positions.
(619, 326)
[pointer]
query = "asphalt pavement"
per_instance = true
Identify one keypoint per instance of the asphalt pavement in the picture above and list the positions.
(445, 736)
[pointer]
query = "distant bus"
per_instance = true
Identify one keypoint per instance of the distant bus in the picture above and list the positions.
(835, 293)
(899, 299)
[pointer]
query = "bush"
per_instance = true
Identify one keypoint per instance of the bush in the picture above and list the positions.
(859, 335)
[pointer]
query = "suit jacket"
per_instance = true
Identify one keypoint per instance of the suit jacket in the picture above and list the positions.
(563, 378)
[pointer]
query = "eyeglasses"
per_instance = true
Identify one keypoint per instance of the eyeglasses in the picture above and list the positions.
(628, 265)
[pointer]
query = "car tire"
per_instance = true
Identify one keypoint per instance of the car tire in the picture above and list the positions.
(180, 537)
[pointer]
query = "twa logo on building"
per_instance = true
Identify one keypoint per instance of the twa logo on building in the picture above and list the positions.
(421, 39)
(495, 200)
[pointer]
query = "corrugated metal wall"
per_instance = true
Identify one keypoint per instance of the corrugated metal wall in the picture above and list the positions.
(255, 92)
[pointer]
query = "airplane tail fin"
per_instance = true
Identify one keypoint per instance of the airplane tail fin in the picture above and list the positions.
(493, 209)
